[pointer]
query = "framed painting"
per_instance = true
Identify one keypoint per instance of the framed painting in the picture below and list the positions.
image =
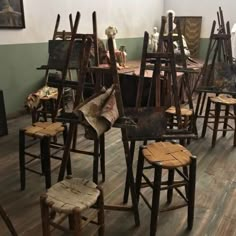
(12, 14)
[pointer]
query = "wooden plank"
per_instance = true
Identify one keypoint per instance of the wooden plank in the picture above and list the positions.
(215, 190)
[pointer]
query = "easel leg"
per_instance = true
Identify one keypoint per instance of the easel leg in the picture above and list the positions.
(130, 176)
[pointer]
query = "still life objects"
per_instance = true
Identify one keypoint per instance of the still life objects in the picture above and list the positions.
(176, 44)
(154, 40)
(120, 53)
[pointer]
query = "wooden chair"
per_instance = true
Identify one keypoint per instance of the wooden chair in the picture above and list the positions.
(71, 198)
(171, 157)
(43, 133)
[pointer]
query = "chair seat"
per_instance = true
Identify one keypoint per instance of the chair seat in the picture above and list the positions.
(72, 193)
(224, 100)
(41, 129)
(183, 111)
(167, 154)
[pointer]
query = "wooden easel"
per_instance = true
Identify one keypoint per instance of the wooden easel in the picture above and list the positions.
(151, 124)
(57, 35)
(73, 122)
(219, 50)
(66, 66)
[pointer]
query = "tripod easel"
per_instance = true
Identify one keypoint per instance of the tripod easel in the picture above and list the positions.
(219, 50)
(73, 122)
(150, 113)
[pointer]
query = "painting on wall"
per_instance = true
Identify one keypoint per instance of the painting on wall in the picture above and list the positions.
(12, 14)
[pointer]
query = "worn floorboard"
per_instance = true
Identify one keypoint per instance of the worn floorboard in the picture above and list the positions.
(215, 211)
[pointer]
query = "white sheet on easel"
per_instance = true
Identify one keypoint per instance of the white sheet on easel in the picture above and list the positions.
(233, 40)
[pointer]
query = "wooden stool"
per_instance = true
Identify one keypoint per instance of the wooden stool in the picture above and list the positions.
(187, 120)
(43, 131)
(185, 113)
(71, 197)
(166, 155)
(217, 118)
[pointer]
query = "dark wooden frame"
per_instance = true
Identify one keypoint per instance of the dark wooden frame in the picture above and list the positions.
(13, 15)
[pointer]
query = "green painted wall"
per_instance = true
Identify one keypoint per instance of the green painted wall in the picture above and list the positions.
(133, 47)
(19, 74)
(203, 47)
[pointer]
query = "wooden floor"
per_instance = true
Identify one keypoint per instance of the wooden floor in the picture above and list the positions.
(215, 209)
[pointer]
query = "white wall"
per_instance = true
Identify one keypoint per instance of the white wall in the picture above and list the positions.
(131, 17)
(205, 8)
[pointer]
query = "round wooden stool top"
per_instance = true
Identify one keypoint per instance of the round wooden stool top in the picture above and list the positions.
(41, 129)
(184, 111)
(222, 99)
(167, 154)
(72, 193)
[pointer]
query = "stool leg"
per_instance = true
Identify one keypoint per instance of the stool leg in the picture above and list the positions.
(77, 220)
(198, 104)
(68, 166)
(216, 123)
(22, 158)
(126, 192)
(185, 172)
(71, 220)
(234, 106)
(191, 191)
(74, 137)
(45, 155)
(102, 156)
(139, 172)
(203, 102)
(45, 215)
(225, 120)
(208, 107)
(66, 153)
(171, 174)
(101, 213)
(95, 161)
(155, 199)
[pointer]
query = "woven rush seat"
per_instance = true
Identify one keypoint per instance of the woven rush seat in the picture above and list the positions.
(40, 129)
(45, 133)
(187, 121)
(72, 197)
(180, 163)
(64, 196)
(167, 154)
(223, 100)
(184, 111)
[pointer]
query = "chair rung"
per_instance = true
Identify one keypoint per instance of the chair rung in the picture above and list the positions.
(173, 207)
(146, 201)
(33, 155)
(176, 184)
(212, 128)
(34, 171)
